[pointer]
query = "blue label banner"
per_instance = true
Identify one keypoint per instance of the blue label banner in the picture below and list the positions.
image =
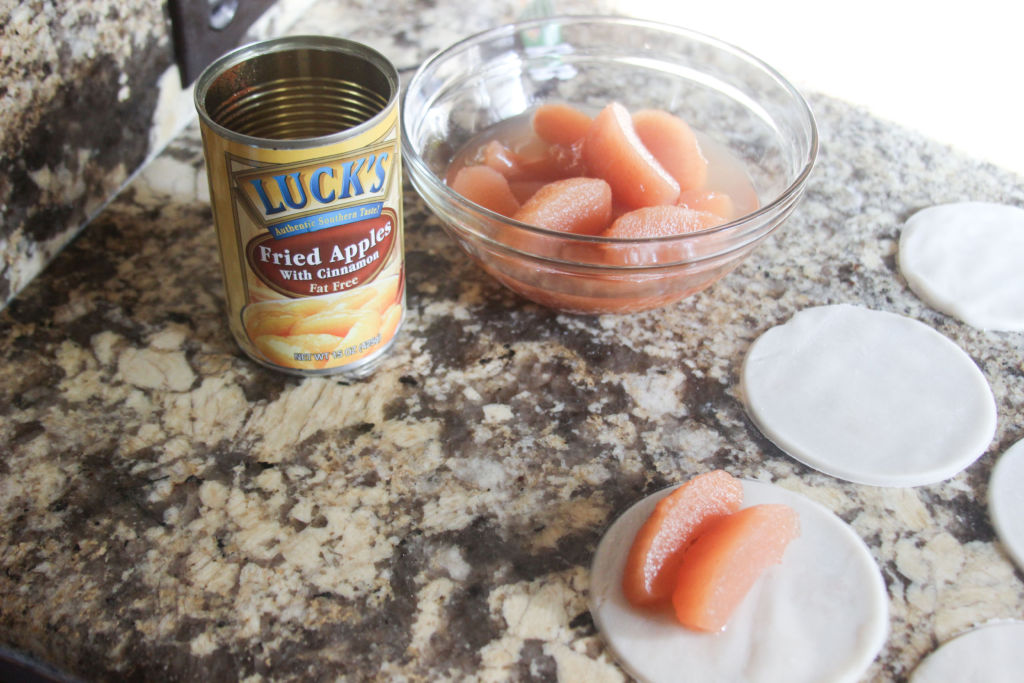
(327, 219)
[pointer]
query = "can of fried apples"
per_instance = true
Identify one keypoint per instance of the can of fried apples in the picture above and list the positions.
(302, 142)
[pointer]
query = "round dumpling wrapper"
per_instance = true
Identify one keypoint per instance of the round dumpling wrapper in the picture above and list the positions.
(1006, 501)
(993, 653)
(965, 260)
(868, 396)
(820, 615)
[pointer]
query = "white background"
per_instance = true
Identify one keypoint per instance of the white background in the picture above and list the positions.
(951, 70)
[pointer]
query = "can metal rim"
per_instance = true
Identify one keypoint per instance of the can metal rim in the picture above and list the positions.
(303, 42)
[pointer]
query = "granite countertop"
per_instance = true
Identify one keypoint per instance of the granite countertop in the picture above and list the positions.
(171, 510)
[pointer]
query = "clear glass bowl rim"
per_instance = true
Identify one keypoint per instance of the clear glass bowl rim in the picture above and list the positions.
(784, 198)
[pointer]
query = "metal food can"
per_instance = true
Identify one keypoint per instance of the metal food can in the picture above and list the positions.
(302, 143)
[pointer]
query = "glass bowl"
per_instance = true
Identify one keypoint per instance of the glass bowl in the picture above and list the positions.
(729, 97)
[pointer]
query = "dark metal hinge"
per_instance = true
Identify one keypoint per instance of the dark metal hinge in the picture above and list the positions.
(206, 29)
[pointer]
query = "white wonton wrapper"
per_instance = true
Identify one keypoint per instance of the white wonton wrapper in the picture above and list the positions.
(820, 615)
(868, 396)
(1006, 501)
(993, 653)
(967, 260)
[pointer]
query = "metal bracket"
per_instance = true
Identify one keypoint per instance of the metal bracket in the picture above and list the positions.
(205, 29)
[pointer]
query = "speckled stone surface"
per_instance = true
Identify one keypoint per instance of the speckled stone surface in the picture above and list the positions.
(171, 511)
(77, 96)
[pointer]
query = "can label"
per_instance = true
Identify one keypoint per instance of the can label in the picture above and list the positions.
(322, 262)
(321, 227)
(305, 186)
